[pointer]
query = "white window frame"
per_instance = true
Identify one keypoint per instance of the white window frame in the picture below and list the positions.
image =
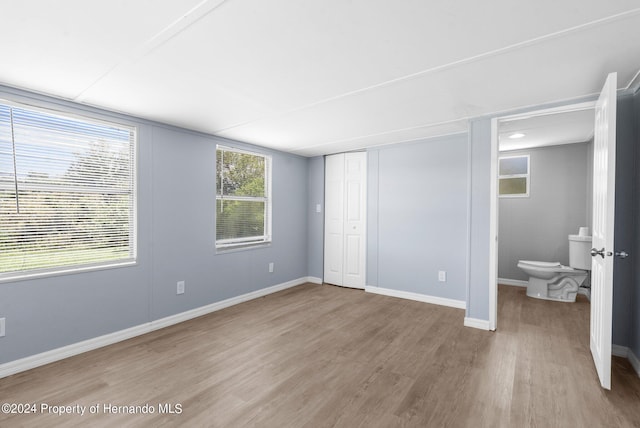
(253, 241)
(84, 267)
(527, 176)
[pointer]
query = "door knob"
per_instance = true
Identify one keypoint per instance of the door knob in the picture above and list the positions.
(622, 254)
(595, 252)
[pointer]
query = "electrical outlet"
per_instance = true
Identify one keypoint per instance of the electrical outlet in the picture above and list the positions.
(271, 267)
(2, 326)
(180, 287)
(318, 208)
(442, 276)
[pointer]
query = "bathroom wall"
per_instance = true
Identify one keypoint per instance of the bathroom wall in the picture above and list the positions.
(589, 184)
(537, 227)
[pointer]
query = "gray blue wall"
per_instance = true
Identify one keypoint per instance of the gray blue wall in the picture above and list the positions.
(176, 241)
(634, 334)
(479, 220)
(536, 227)
(626, 222)
(315, 230)
(417, 216)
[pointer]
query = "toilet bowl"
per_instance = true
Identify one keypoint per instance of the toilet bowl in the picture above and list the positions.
(554, 281)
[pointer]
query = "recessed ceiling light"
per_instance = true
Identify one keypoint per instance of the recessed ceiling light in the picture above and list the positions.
(516, 135)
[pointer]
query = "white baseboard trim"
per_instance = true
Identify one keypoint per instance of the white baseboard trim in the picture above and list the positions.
(514, 282)
(619, 351)
(477, 323)
(460, 304)
(314, 280)
(623, 351)
(33, 361)
(635, 362)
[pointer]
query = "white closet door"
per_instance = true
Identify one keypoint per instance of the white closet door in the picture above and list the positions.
(355, 167)
(345, 219)
(334, 219)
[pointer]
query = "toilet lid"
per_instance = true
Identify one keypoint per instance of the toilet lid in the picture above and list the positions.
(541, 264)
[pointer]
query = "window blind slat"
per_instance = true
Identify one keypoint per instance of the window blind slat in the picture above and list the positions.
(243, 197)
(76, 187)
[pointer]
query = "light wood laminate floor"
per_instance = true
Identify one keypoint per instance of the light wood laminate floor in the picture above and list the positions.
(324, 356)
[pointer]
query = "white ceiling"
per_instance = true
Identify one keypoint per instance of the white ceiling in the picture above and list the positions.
(318, 77)
(547, 130)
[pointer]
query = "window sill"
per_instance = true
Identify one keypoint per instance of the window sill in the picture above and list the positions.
(246, 247)
(66, 271)
(522, 195)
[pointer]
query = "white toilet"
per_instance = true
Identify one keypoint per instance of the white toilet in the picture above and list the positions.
(553, 281)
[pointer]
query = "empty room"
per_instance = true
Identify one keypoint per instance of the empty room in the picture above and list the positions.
(241, 213)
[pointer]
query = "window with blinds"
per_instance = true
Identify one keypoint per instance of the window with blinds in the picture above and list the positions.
(243, 198)
(67, 193)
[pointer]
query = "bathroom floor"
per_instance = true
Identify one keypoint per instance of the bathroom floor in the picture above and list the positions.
(552, 366)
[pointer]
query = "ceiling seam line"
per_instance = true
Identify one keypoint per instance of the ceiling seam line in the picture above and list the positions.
(453, 64)
(633, 79)
(410, 128)
(467, 118)
(408, 140)
(149, 46)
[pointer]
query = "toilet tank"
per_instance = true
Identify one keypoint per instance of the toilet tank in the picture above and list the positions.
(580, 252)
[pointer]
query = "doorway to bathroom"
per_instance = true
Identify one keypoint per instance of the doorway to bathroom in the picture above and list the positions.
(603, 253)
(543, 194)
(545, 182)
(603, 222)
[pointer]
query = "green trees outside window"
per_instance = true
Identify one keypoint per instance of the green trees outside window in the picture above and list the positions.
(67, 189)
(242, 197)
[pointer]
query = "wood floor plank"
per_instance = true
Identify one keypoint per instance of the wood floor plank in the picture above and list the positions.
(324, 356)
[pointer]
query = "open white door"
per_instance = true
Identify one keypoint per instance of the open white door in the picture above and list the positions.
(604, 177)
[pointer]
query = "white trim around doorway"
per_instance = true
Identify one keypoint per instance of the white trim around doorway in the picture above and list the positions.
(493, 201)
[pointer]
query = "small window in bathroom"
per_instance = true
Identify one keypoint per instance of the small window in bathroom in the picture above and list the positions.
(513, 176)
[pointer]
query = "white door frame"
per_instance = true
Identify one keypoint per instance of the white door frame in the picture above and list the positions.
(493, 201)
